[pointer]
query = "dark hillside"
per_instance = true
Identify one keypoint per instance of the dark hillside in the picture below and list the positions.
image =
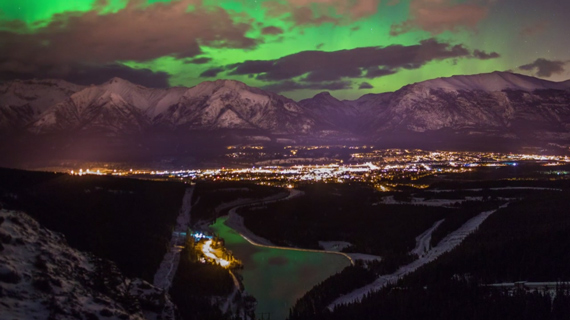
(124, 220)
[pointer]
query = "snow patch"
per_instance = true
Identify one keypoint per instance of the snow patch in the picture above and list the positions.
(165, 273)
(41, 277)
(424, 239)
(334, 245)
(447, 244)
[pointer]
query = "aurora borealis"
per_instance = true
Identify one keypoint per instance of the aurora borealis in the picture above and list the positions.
(294, 47)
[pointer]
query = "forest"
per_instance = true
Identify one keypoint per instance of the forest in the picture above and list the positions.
(529, 240)
(124, 220)
(208, 196)
(355, 213)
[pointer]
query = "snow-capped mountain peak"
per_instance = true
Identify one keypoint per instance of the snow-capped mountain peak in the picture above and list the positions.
(498, 100)
(322, 94)
(232, 104)
(491, 82)
(38, 94)
(208, 88)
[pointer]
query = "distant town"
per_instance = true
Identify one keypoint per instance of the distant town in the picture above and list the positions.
(377, 167)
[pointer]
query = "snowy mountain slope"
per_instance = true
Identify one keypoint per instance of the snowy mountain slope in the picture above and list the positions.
(42, 278)
(37, 94)
(368, 102)
(492, 82)
(21, 102)
(119, 106)
(149, 100)
(232, 104)
(13, 118)
(93, 108)
(337, 113)
(498, 103)
(494, 103)
(416, 109)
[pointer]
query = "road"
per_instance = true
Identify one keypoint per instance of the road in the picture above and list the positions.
(165, 273)
(424, 239)
(447, 244)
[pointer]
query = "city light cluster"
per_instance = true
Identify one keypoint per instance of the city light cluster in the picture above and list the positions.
(373, 166)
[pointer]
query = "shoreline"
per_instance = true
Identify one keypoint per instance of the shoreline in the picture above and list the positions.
(235, 221)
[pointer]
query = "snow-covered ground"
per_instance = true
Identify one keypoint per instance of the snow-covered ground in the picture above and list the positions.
(424, 239)
(450, 203)
(363, 256)
(334, 245)
(42, 277)
(430, 202)
(549, 288)
(165, 273)
(447, 244)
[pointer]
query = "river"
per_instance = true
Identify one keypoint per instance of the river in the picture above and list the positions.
(276, 277)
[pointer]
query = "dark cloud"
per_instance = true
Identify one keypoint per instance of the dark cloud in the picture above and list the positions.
(271, 30)
(289, 85)
(482, 55)
(96, 74)
(139, 32)
(544, 68)
(437, 16)
(100, 74)
(320, 45)
(375, 72)
(355, 28)
(365, 85)
(213, 72)
(198, 60)
(331, 66)
(333, 74)
(251, 67)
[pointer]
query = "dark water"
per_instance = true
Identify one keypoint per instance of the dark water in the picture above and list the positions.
(277, 278)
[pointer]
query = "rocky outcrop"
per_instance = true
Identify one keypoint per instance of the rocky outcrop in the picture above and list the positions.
(41, 277)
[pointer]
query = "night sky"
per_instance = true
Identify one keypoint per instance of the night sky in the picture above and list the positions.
(295, 47)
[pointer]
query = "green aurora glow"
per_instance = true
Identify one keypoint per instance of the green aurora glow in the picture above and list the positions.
(501, 30)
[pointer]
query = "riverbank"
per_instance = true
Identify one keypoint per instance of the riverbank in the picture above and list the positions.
(277, 278)
(235, 221)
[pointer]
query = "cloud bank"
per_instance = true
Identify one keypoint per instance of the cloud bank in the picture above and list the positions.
(544, 68)
(331, 69)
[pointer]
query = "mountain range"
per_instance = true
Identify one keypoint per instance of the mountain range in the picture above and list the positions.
(120, 107)
(494, 105)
